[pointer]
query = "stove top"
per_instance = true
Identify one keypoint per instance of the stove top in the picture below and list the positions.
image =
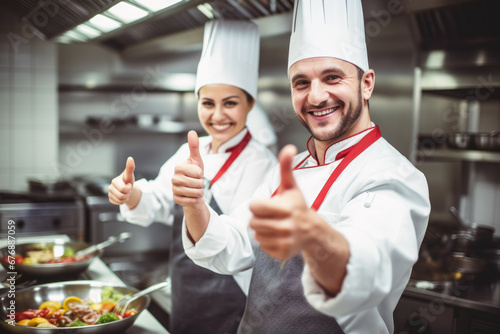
(34, 197)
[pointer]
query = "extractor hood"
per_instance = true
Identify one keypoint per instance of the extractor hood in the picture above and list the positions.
(49, 19)
(455, 24)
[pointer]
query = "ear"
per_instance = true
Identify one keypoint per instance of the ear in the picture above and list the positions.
(367, 84)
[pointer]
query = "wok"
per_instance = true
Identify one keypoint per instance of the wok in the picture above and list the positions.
(32, 297)
(472, 236)
(49, 269)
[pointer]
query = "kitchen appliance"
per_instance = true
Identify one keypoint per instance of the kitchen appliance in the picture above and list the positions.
(36, 214)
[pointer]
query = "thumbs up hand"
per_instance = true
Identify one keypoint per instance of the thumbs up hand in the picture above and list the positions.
(282, 223)
(122, 190)
(187, 182)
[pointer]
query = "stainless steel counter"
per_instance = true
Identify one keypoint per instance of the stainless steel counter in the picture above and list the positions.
(480, 295)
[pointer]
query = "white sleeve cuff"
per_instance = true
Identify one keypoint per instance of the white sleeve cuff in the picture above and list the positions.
(211, 243)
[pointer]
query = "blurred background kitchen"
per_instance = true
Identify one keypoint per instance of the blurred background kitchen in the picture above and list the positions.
(84, 84)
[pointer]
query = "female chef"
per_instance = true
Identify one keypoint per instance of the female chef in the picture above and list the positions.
(234, 163)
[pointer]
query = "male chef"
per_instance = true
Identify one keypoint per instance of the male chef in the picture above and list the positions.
(335, 230)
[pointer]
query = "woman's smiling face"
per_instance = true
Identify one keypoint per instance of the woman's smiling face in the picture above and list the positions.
(223, 111)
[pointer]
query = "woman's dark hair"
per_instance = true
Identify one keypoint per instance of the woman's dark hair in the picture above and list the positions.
(249, 97)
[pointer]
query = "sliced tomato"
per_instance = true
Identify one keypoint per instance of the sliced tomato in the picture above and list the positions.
(44, 312)
(28, 314)
(128, 314)
(18, 259)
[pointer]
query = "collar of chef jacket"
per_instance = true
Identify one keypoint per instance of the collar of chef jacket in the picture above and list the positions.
(227, 146)
(336, 151)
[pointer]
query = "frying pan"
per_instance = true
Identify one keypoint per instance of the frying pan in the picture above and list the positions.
(32, 297)
(49, 269)
(481, 236)
(58, 246)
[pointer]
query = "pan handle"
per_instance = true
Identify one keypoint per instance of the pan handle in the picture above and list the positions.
(456, 215)
(110, 241)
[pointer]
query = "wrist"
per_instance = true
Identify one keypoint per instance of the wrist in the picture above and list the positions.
(135, 197)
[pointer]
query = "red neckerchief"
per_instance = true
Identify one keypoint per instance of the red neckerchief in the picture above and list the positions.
(235, 152)
(347, 156)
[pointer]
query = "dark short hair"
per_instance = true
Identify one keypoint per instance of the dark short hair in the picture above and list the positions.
(360, 73)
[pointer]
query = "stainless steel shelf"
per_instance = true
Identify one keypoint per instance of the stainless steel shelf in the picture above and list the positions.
(69, 128)
(457, 155)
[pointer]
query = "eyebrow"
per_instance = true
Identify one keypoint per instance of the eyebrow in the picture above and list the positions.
(230, 97)
(325, 71)
(224, 99)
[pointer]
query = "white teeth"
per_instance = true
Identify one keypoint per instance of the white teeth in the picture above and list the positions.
(220, 126)
(324, 112)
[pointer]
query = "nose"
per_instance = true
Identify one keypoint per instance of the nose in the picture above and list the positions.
(317, 94)
(218, 111)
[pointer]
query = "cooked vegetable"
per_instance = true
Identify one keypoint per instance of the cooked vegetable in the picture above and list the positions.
(52, 305)
(70, 302)
(128, 314)
(107, 317)
(18, 259)
(111, 295)
(72, 312)
(37, 321)
(78, 323)
(42, 254)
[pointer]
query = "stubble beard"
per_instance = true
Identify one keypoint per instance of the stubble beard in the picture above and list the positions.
(346, 122)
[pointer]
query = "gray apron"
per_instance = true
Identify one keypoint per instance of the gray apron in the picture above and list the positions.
(276, 303)
(202, 301)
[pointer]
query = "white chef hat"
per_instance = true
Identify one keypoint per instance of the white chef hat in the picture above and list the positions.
(230, 55)
(328, 28)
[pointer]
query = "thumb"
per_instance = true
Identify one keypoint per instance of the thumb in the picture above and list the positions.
(194, 149)
(286, 158)
(128, 173)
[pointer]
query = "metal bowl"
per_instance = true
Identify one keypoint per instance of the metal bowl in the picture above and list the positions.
(487, 141)
(32, 297)
(461, 140)
(49, 269)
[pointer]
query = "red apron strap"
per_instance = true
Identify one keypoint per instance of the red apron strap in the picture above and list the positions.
(357, 149)
(234, 154)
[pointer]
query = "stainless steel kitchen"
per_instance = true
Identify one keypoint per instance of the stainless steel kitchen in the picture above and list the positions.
(86, 84)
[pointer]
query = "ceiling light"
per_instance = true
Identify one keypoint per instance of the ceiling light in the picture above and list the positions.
(206, 9)
(155, 5)
(126, 12)
(74, 36)
(89, 32)
(180, 81)
(104, 23)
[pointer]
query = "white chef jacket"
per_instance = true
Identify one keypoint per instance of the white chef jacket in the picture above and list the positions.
(235, 186)
(380, 204)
